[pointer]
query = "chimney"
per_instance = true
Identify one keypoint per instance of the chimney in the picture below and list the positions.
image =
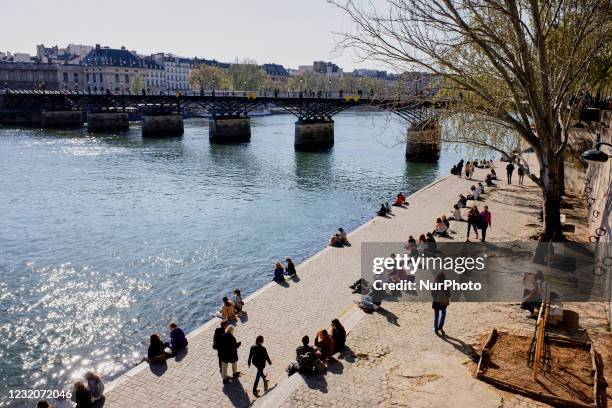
(97, 46)
(123, 47)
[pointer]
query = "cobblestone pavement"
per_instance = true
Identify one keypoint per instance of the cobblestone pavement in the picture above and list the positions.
(401, 365)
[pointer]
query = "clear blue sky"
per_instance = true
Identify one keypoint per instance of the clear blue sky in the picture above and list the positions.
(289, 32)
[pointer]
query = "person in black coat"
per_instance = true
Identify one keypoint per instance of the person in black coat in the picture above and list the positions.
(218, 339)
(258, 355)
(229, 354)
(440, 301)
(81, 396)
(178, 340)
(156, 353)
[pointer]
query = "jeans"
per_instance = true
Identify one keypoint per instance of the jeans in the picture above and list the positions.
(472, 225)
(224, 369)
(260, 374)
(439, 320)
(509, 178)
(483, 230)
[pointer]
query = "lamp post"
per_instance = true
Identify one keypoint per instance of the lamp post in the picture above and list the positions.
(300, 88)
(213, 87)
(596, 155)
(244, 87)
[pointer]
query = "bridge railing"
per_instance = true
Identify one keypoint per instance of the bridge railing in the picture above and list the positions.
(209, 93)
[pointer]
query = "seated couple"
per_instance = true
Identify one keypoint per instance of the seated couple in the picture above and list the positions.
(476, 191)
(441, 229)
(231, 308)
(339, 239)
(384, 210)
(157, 353)
(400, 200)
(280, 271)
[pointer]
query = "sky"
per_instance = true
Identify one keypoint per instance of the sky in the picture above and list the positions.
(288, 32)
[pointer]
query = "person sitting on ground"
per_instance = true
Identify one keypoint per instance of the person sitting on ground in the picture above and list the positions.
(423, 246)
(411, 246)
(156, 352)
(388, 208)
(431, 242)
(325, 345)
(440, 229)
(382, 212)
(81, 395)
(279, 272)
(462, 203)
(555, 313)
(336, 241)
(456, 213)
(493, 174)
(290, 269)
(359, 285)
(178, 341)
(475, 195)
(489, 180)
(237, 300)
(453, 170)
(371, 301)
(338, 335)
(228, 311)
(343, 238)
(447, 223)
(533, 299)
(399, 200)
(481, 187)
(96, 388)
(306, 357)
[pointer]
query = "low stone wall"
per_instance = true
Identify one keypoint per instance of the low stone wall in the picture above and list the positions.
(597, 191)
(314, 135)
(108, 121)
(20, 117)
(423, 145)
(229, 130)
(51, 119)
(162, 125)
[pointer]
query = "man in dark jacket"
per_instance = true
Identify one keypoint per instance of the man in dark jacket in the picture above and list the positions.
(218, 338)
(509, 171)
(178, 341)
(259, 356)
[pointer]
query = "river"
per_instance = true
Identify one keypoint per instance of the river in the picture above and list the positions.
(104, 239)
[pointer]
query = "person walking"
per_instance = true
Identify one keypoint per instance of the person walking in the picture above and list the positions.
(218, 339)
(229, 354)
(509, 171)
(258, 355)
(521, 174)
(473, 221)
(485, 220)
(440, 301)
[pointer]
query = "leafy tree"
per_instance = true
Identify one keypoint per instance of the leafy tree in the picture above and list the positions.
(521, 64)
(137, 85)
(247, 75)
(208, 76)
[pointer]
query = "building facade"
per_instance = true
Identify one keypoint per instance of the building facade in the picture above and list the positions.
(114, 70)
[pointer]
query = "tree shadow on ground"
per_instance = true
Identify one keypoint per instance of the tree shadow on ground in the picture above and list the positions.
(236, 394)
(463, 347)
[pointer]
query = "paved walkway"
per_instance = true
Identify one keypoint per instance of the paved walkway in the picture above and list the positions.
(437, 369)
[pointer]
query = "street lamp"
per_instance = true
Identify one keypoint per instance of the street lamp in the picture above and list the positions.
(597, 155)
(244, 86)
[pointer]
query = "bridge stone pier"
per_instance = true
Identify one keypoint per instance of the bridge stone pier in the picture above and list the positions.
(423, 141)
(162, 125)
(227, 130)
(64, 118)
(105, 121)
(20, 117)
(313, 135)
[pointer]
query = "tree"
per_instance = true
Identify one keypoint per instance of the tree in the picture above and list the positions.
(521, 64)
(209, 77)
(138, 84)
(247, 75)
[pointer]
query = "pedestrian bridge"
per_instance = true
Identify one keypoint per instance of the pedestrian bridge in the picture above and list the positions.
(162, 115)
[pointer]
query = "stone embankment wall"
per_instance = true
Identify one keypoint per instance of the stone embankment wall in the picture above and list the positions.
(597, 192)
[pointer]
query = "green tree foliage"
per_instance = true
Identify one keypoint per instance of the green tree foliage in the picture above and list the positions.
(205, 76)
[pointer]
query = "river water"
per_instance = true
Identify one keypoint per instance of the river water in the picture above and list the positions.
(106, 238)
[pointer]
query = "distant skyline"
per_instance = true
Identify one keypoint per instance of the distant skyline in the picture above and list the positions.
(287, 32)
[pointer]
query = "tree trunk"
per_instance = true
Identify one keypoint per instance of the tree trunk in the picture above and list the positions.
(552, 189)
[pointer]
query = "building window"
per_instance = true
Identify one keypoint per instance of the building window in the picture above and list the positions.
(65, 77)
(127, 79)
(101, 78)
(87, 76)
(76, 77)
(117, 78)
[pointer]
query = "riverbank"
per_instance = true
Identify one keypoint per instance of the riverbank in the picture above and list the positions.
(284, 314)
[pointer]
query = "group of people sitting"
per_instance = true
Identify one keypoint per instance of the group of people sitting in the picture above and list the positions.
(490, 177)
(476, 191)
(469, 167)
(280, 271)
(339, 239)
(313, 360)
(231, 309)
(85, 394)
(385, 208)
(157, 351)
